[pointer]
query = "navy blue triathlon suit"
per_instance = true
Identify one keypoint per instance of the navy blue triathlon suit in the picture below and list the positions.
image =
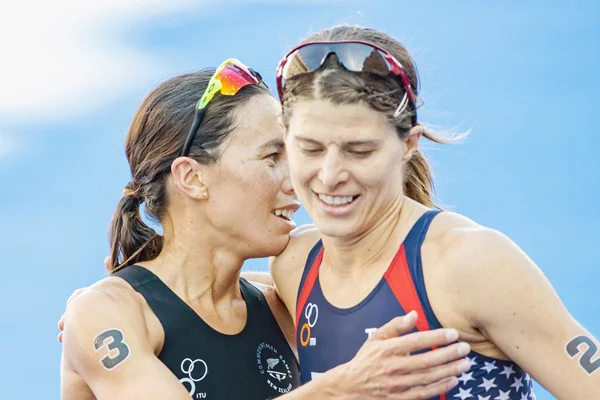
(328, 336)
(257, 363)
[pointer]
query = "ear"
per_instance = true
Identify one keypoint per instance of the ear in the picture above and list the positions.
(412, 142)
(187, 176)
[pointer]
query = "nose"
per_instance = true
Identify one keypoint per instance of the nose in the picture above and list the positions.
(286, 184)
(332, 171)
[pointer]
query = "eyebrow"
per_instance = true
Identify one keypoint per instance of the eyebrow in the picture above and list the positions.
(278, 143)
(345, 144)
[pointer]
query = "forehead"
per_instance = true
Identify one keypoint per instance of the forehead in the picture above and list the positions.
(325, 121)
(257, 121)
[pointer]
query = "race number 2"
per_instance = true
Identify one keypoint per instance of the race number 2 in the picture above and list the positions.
(585, 361)
(116, 343)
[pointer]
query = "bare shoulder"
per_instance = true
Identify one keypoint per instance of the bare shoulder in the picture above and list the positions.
(105, 295)
(302, 240)
(286, 268)
(465, 244)
(104, 312)
(479, 260)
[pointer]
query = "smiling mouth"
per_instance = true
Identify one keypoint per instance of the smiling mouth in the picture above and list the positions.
(288, 215)
(337, 201)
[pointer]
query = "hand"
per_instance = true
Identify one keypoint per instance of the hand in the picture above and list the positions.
(384, 368)
(61, 321)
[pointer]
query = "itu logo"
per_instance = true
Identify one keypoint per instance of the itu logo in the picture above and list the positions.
(196, 371)
(311, 313)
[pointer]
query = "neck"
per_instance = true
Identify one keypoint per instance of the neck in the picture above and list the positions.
(351, 255)
(198, 266)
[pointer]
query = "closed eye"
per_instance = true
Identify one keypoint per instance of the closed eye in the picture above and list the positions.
(365, 153)
(310, 151)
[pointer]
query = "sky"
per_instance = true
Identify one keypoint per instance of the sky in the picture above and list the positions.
(521, 77)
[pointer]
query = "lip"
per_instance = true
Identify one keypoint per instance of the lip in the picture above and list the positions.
(291, 206)
(337, 211)
(290, 224)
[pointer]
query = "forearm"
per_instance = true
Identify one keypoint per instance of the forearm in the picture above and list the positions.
(260, 277)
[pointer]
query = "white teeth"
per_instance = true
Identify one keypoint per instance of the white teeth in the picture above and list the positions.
(337, 200)
(289, 214)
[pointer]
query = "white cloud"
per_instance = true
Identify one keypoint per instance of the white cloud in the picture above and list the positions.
(62, 56)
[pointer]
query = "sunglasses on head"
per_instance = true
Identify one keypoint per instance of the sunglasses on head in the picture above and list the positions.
(231, 76)
(355, 56)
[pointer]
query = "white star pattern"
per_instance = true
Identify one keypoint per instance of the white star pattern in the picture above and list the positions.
(518, 384)
(532, 396)
(503, 395)
(527, 378)
(473, 361)
(463, 394)
(489, 367)
(492, 379)
(464, 378)
(508, 371)
(488, 384)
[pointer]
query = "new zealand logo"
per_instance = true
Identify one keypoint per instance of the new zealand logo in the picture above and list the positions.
(271, 363)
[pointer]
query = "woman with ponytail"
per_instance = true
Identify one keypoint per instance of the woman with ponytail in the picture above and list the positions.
(381, 248)
(175, 319)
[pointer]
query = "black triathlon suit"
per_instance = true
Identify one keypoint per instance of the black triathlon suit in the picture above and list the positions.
(256, 363)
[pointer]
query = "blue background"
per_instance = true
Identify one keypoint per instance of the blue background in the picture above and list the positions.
(523, 77)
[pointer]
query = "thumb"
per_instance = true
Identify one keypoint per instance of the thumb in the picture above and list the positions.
(396, 327)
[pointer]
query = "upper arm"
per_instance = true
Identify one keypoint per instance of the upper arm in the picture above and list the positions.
(286, 268)
(106, 343)
(514, 305)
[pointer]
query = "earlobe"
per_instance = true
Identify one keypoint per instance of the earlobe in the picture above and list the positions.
(202, 186)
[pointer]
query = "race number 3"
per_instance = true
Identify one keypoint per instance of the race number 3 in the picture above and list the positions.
(117, 343)
(586, 359)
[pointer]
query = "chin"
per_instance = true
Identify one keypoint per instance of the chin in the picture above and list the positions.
(270, 247)
(335, 229)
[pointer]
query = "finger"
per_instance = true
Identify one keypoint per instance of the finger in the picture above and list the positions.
(417, 341)
(107, 263)
(396, 327)
(428, 391)
(61, 322)
(60, 337)
(432, 375)
(437, 357)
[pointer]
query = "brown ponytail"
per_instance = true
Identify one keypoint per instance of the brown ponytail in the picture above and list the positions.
(132, 240)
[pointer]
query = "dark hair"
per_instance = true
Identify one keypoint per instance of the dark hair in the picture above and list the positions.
(155, 138)
(383, 94)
